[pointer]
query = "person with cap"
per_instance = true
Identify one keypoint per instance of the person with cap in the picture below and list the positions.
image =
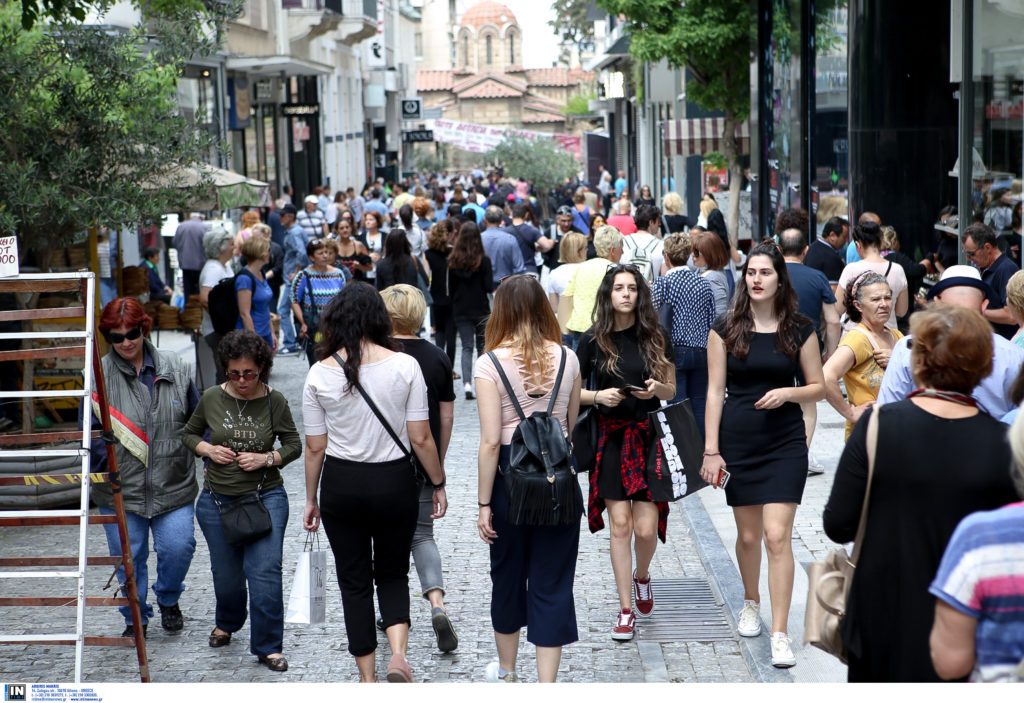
(311, 219)
(961, 286)
(295, 259)
(982, 249)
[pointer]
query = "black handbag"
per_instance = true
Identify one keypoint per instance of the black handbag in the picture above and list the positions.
(417, 471)
(540, 481)
(584, 436)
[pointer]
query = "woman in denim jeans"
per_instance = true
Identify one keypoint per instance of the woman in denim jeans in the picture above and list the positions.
(244, 417)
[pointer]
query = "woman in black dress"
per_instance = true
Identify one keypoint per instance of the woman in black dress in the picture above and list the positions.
(438, 249)
(757, 435)
(938, 458)
(470, 279)
(624, 359)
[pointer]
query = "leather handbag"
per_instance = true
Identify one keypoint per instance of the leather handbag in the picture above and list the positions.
(540, 480)
(829, 580)
(584, 436)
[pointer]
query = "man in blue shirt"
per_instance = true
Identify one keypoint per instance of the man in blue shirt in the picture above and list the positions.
(981, 247)
(501, 247)
(478, 212)
(961, 285)
(295, 259)
(375, 204)
(620, 184)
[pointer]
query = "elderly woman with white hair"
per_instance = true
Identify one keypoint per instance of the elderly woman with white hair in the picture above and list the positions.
(673, 220)
(218, 245)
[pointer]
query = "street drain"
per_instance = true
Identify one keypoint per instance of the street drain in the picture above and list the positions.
(685, 611)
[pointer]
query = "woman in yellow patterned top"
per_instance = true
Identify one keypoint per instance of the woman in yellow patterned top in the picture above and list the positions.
(863, 352)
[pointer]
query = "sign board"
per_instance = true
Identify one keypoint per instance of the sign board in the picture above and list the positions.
(418, 135)
(378, 57)
(264, 91)
(483, 138)
(412, 108)
(8, 257)
(300, 109)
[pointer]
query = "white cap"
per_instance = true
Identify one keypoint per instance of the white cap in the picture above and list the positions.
(312, 199)
(961, 271)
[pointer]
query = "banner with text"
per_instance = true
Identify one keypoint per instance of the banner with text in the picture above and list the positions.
(483, 138)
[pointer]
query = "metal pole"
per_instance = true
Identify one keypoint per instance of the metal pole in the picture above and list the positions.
(965, 203)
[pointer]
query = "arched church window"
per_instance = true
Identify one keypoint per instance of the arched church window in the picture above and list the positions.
(512, 49)
(490, 49)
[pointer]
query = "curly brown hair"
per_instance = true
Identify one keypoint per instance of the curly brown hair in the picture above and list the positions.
(245, 344)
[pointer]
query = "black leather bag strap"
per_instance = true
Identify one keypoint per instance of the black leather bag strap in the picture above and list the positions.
(512, 393)
(376, 411)
(558, 383)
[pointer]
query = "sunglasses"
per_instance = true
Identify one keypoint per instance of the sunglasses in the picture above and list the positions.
(117, 337)
(247, 375)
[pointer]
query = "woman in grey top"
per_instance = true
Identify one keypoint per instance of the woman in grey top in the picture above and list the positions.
(709, 254)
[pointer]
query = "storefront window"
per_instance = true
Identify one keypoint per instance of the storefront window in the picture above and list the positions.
(831, 115)
(998, 113)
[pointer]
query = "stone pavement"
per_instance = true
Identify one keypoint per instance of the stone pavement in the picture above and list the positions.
(698, 528)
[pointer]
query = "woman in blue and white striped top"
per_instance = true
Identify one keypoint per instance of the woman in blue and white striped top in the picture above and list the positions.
(313, 287)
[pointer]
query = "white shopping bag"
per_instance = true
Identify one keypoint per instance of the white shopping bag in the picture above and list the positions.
(307, 603)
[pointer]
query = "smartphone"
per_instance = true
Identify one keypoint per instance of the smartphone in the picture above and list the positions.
(626, 390)
(723, 478)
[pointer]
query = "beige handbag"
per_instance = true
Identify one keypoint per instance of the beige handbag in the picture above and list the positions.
(829, 580)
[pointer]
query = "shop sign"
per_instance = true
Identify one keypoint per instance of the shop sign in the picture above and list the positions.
(8, 257)
(264, 90)
(840, 146)
(300, 109)
(1005, 111)
(418, 135)
(412, 109)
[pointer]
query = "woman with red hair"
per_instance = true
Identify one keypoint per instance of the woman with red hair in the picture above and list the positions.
(151, 396)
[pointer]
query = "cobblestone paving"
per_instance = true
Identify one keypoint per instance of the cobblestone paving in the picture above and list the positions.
(319, 653)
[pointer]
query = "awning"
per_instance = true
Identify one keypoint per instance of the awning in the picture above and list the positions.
(618, 50)
(701, 136)
(257, 66)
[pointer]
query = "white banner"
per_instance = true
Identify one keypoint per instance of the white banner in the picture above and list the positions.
(483, 138)
(8, 257)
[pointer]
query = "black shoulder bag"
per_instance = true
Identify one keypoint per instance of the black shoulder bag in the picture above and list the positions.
(584, 434)
(540, 480)
(418, 473)
(245, 519)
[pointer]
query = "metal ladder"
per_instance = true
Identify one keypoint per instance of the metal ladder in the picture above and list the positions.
(92, 379)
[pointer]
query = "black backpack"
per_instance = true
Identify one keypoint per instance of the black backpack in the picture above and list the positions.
(540, 480)
(223, 303)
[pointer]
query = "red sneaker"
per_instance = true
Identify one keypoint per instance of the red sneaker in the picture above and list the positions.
(623, 629)
(643, 596)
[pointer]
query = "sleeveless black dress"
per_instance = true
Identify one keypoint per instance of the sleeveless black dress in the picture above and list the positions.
(765, 451)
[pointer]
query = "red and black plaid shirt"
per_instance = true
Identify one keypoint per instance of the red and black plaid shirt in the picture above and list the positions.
(635, 440)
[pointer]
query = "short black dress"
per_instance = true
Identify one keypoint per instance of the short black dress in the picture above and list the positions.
(765, 451)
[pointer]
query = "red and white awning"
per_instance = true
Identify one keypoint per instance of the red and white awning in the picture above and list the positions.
(701, 136)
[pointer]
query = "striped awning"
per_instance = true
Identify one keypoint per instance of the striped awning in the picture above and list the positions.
(701, 136)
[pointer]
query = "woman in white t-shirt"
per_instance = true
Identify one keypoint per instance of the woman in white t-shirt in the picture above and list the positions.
(369, 496)
(867, 237)
(218, 246)
(572, 250)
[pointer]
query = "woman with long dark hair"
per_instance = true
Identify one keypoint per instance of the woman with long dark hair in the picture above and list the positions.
(625, 359)
(413, 232)
(369, 496)
(398, 264)
(438, 249)
(532, 567)
(352, 253)
(757, 434)
(470, 281)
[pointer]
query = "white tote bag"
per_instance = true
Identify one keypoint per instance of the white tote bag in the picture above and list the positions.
(307, 603)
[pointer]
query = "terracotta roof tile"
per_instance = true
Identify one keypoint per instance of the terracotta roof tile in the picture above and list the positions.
(490, 89)
(427, 81)
(488, 12)
(557, 76)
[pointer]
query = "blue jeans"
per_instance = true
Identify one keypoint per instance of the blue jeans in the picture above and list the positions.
(174, 543)
(257, 564)
(108, 290)
(692, 380)
(284, 309)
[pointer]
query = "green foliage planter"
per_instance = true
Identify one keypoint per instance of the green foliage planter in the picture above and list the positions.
(542, 161)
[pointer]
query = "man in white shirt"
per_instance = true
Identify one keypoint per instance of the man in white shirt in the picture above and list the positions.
(644, 247)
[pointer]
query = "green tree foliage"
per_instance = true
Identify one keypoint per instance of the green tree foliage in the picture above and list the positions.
(579, 104)
(570, 23)
(90, 130)
(542, 161)
(713, 39)
(58, 11)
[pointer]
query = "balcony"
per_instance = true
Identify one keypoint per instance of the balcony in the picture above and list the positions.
(352, 20)
(358, 21)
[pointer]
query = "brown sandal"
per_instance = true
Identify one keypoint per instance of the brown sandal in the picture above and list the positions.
(217, 640)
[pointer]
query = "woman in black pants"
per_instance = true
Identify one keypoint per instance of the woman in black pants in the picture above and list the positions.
(470, 281)
(438, 249)
(369, 493)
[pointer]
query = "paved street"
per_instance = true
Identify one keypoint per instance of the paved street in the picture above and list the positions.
(698, 527)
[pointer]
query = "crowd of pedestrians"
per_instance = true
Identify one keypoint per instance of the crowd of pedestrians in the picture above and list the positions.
(616, 307)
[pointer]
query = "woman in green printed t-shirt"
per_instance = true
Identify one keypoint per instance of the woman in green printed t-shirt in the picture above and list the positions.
(245, 417)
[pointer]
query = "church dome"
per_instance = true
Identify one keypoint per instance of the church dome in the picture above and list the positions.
(488, 12)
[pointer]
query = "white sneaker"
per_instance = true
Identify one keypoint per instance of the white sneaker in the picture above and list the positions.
(492, 674)
(814, 467)
(749, 624)
(782, 652)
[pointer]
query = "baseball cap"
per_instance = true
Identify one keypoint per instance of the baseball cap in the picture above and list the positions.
(312, 199)
(290, 209)
(962, 275)
(564, 210)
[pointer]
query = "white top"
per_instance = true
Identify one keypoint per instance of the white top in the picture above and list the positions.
(213, 273)
(353, 432)
(559, 278)
(417, 240)
(897, 280)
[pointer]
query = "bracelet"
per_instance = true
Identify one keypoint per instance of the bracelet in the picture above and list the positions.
(712, 453)
(436, 486)
(483, 505)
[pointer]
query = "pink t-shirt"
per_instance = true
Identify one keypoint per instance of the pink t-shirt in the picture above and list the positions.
(509, 420)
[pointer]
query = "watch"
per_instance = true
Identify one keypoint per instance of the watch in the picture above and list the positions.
(270, 459)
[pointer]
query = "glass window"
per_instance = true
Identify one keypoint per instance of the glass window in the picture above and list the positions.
(511, 48)
(490, 49)
(831, 115)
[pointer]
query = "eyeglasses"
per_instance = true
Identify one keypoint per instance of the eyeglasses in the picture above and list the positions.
(970, 254)
(247, 375)
(117, 337)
